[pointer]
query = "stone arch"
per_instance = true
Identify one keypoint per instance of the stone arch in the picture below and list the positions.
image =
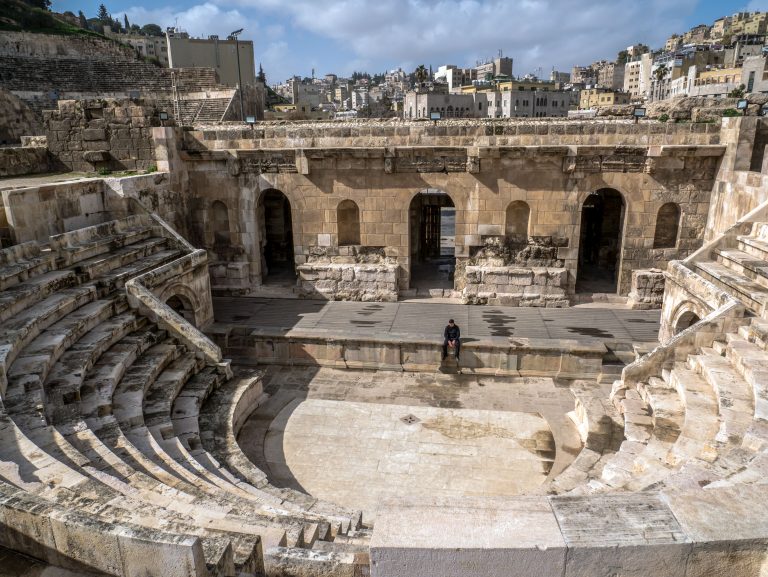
(183, 300)
(517, 221)
(275, 220)
(667, 226)
(686, 320)
(432, 216)
(601, 236)
(348, 223)
(220, 223)
(687, 314)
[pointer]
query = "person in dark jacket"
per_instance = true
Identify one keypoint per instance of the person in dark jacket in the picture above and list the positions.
(452, 336)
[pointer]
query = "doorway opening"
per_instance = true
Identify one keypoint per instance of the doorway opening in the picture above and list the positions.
(432, 218)
(686, 320)
(602, 219)
(278, 264)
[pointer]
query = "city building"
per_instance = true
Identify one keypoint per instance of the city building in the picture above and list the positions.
(152, 47)
(593, 98)
(212, 52)
(637, 76)
(422, 104)
(501, 66)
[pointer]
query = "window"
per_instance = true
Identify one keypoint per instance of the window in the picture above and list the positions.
(517, 217)
(220, 223)
(348, 223)
(667, 224)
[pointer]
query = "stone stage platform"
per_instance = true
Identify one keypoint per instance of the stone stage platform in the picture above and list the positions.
(362, 438)
(510, 341)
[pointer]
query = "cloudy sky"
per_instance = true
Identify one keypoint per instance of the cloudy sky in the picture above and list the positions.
(340, 36)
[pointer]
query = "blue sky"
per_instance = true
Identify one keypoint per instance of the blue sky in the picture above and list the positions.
(340, 36)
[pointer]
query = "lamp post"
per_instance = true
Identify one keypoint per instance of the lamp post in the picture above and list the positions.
(234, 35)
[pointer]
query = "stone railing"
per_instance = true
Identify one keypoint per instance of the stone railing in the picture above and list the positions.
(689, 341)
(724, 312)
(141, 298)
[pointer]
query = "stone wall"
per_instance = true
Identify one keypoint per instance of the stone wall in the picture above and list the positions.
(737, 189)
(508, 285)
(57, 47)
(16, 119)
(37, 213)
(481, 181)
(466, 132)
(19, 160)
(647, 290)
(93, 135)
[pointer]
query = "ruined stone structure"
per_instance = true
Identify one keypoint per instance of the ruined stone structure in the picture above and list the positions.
(120, 415)
(542, 209)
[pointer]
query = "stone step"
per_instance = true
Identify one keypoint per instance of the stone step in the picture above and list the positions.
(744, 264)
(26, 325)
(701, 423)
(752, 364)
(26, 294)
(97, 266)
(754, 246)
(76, 252)
(760, 230)
(753, 295)
(23, 261)
(65, 379)
(733, 394)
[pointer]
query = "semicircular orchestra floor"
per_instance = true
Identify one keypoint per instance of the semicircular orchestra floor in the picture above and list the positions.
(362, 438)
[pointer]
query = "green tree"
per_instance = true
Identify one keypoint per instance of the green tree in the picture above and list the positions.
(126, 25)
(42, 4)
(660, 72)
(738, 92)
(151, 30)
(421, 73)
(261, 77)
(104, 16)
(82, 19)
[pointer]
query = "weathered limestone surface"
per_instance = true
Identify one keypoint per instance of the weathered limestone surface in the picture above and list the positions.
(19, 160)
(647, 289)
(16, 119)
(552, 167)
(88, 135)
(547, 287)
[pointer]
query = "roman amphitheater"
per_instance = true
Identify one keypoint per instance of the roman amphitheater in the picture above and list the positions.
(222, 355)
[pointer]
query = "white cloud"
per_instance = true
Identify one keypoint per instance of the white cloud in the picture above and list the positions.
(200, 20)
(535, 32)
(757, 6)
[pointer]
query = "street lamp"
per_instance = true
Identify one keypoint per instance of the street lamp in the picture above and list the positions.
(234, 35)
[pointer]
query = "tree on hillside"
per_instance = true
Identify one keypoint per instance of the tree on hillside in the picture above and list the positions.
(126, 25)
(104, 16)
(261, 77)
(151, 30)
(660, 72)
(83, 21)
(421, 73)
(42, 4)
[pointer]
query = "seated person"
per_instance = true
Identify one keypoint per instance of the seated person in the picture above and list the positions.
(452, 336)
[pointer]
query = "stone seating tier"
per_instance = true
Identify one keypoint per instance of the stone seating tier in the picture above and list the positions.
(87, 418)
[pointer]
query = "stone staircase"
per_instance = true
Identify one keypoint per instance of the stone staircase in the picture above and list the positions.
(100, 428)
(702, 421)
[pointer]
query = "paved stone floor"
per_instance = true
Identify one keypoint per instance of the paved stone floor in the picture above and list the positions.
(359, 437)
(429, 319)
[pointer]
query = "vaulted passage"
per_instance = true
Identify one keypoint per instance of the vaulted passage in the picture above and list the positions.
(277, 238)
(602, 216)
(432, 219)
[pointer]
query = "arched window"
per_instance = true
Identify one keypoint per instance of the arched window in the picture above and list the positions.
(667, 224)
(220, 224)
(518, 215)
(348, 222)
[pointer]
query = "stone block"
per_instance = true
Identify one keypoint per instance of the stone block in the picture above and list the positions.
(94, 156)
(474, 538)
(94, 134)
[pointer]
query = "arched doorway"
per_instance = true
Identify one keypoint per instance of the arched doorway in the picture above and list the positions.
(602, 220)
(277, 261)
(686, 320)
(181, 305)
(432, 222)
